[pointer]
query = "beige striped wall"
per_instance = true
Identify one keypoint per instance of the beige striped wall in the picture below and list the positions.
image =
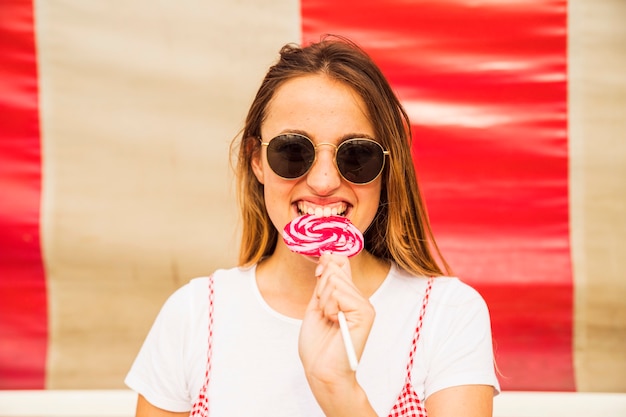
(597, 115)
(139, 103)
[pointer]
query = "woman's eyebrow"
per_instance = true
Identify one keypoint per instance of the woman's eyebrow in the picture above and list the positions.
(342, 138)
(356, 135)
(294, 131)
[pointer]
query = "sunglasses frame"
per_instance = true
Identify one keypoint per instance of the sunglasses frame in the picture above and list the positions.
(382, 168)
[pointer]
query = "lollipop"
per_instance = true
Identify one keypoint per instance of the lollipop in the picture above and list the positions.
(312, 235)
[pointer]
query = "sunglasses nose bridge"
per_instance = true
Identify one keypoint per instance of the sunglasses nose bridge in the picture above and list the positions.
(323, 172)
(332, 145)
(335, 147)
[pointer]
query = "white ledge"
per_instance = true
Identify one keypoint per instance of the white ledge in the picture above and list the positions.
(121, 403)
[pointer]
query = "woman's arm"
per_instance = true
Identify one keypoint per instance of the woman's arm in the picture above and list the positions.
(145, 409)
(463, 400)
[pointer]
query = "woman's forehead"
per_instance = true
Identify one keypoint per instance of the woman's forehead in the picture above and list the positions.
(317, 106)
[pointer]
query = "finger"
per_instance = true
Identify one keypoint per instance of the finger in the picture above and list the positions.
(332, 274)
(328, 303)
(335, 298)
(337, 264)
(338, 295)
(342, 261)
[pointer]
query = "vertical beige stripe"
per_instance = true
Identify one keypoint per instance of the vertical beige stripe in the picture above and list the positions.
(598, 190)
(140, 100)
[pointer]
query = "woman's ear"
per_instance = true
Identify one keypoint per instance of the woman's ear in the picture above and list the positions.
(256, 159)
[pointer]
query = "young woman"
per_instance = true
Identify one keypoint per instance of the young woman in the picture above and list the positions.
(325, 135)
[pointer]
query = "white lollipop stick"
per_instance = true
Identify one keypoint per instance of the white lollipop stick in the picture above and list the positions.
(347, 341)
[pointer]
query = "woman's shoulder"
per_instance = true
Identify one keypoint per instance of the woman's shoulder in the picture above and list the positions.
(196, 289)
(233, 276)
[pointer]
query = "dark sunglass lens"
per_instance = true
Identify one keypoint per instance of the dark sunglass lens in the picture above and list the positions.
(290, 156)
(360, 161)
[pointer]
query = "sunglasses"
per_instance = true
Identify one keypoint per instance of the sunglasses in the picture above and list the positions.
(359, 160)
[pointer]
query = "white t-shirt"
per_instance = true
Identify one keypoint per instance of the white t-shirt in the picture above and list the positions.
(256, 370)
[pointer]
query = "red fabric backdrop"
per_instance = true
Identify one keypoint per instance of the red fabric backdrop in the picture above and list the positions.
(485, 85)
(23, 300)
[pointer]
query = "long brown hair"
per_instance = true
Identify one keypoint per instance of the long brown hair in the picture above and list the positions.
(400, 231)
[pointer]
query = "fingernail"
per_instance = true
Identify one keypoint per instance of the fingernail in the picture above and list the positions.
(318, 270)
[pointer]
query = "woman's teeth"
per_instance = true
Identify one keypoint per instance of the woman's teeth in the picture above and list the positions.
(322, 211)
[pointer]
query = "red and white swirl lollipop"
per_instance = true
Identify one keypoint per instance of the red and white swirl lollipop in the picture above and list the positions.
(313, 235)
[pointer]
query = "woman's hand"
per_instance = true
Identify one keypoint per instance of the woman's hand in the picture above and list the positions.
(321, 346)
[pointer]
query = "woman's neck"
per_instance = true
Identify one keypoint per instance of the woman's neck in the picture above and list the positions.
(286, 280)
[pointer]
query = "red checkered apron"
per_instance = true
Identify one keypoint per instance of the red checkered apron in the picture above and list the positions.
(408, 403)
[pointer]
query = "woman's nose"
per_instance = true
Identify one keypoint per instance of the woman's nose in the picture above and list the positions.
(323, 177)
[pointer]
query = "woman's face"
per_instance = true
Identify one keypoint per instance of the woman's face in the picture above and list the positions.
(326, 111)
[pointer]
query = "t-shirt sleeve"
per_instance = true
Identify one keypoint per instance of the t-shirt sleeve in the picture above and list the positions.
(158, 373)
(460, 350)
